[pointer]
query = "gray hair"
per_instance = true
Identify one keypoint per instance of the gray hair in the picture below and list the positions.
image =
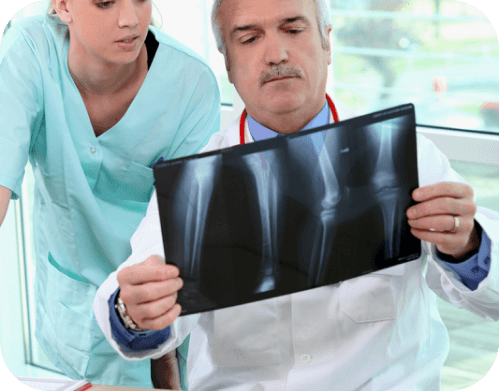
(323, 20)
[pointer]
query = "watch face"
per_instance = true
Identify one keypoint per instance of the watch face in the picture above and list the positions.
(291, 213)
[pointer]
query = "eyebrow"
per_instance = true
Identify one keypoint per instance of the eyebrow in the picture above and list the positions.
(247, 27)
(295, 19)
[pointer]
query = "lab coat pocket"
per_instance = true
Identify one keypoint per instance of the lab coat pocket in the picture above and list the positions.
(370, 298)
(246, 335)
(137, 184)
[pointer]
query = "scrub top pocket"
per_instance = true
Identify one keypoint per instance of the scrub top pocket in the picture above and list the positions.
(69, 316)
(75, 339)
(137, 184)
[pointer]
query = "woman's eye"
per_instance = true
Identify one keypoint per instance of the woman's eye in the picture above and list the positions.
(105, 4)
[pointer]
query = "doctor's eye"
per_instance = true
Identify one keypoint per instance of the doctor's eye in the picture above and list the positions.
(249, 40)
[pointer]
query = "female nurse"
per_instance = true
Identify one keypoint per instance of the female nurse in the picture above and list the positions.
(93, 96)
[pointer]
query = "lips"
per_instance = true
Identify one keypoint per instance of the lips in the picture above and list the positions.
(280, 78)
(277, 79)
(128, 43)
(128, 39)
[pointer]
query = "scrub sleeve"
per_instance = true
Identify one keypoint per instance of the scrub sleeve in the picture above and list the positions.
(91, 192)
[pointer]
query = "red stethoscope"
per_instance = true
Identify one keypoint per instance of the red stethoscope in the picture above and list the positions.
(244, 115)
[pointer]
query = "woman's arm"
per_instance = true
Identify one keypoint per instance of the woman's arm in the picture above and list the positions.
(4, 202)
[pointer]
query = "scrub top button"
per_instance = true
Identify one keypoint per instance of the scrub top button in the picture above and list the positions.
(93, 150)
(305, 358)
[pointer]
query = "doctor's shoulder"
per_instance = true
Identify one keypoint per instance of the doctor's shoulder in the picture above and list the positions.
(344, 111)
(224, 138)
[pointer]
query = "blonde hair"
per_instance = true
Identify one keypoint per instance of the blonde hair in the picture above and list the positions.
(51, 11)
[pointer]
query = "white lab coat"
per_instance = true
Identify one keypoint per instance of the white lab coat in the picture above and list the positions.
(380, 332)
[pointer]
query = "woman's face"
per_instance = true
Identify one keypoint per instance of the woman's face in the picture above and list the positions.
(109, 31)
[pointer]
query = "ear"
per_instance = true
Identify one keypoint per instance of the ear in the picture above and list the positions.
(62, 10)
(228, 68)
(328, 41)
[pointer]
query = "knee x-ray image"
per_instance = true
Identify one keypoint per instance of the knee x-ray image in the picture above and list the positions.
(292, 213)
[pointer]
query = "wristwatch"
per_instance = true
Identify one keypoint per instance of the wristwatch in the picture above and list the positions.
(125, 318)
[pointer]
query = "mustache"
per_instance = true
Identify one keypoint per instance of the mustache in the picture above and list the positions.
(279, 71)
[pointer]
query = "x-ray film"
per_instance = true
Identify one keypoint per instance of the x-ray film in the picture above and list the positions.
(292, 213)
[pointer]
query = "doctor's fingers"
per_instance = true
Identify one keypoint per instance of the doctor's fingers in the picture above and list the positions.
(164, 320)
(443, 223)
(156, 314)
(446, 242)
(442, 206)
(443, 189)
(150, 291)
(152, 269)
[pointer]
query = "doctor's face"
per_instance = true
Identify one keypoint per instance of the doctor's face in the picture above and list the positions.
(275, 55)
(110, 31)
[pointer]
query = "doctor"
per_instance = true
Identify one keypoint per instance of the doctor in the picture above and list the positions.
(93, 96)
(376, 332)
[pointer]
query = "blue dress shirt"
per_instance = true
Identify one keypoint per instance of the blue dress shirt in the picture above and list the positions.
(260, 132)
(476, 268)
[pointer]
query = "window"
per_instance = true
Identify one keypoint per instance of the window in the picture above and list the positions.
(440, 55)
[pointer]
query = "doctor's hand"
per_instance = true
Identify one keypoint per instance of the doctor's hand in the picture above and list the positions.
(445, 216)
(149, 292)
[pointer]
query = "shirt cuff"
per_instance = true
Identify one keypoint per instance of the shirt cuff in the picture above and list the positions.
(476, 268)
(131, 340)
(11, 184)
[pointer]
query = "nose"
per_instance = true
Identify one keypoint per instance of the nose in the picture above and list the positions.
(128, 15)
(276, 50)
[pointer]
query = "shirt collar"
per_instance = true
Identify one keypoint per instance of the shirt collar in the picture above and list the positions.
(260, 132)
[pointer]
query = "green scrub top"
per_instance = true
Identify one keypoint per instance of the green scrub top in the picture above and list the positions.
(91, 192)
